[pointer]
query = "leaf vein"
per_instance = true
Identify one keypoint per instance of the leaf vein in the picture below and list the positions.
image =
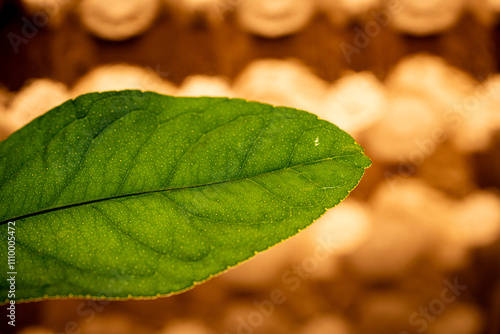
(78, 167)
(112, 223)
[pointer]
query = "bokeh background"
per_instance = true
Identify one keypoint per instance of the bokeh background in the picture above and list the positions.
(416, 245)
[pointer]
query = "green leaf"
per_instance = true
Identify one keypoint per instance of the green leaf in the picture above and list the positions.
(132, 194)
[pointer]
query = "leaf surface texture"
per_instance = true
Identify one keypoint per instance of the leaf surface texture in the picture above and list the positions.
(136, 194)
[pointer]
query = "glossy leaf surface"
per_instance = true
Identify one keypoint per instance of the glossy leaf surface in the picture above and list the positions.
(132, 194)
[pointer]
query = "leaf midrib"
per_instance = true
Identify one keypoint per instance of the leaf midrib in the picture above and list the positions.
(168, 189)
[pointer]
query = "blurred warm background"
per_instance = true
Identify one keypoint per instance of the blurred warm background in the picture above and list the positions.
(416, 247)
